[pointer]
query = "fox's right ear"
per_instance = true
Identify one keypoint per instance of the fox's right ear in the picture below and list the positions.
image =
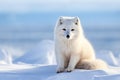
(77, 20)
(60, 20)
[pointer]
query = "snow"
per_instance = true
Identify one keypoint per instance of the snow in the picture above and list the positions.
(47, 72)
(108, 77)
(39, 64)
(108, 57)
(43, 53)
(77, 75)
(5, 58)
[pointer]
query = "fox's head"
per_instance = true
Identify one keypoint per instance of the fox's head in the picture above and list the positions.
(68, 28)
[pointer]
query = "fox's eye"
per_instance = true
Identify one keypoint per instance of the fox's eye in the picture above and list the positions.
(72, 29)
(76, 23)
(64, 29)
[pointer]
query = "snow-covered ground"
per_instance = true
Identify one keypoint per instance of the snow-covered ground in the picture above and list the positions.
(39, 64)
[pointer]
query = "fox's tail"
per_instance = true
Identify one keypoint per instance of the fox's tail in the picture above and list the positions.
(92, 65)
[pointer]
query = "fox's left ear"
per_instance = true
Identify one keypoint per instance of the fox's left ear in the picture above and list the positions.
(60, 20)
(76, 20)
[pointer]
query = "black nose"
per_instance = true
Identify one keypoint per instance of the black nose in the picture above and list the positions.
(68, 36)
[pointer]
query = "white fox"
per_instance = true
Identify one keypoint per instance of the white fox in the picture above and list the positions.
(72, 49)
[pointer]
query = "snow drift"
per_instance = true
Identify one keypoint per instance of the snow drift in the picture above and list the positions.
(39, 64)
(43, 53)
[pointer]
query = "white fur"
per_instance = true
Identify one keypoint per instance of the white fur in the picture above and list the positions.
(73, 51)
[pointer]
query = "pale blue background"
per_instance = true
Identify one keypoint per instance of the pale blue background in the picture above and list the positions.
(24, 23)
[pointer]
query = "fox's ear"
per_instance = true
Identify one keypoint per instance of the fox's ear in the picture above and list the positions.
(77, 20)
(60, 20)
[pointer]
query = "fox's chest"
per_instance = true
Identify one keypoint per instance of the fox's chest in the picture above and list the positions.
(70, 48)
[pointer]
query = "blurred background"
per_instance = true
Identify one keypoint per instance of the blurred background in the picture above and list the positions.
(24, 23)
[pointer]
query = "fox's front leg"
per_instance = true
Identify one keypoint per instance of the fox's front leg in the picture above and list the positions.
(60, 62)
(74, 59)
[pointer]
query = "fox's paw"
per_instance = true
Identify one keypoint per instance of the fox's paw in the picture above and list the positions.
(60, 69)
(69, 69)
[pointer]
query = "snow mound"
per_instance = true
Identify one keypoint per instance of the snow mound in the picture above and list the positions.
(108, 57)
(12, 67)
(108, 77)
(5, 57)
(40, 64)
(77, 75)
(38, 72)
(43, 53)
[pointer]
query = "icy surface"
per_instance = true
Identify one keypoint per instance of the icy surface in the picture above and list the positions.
(39, 64)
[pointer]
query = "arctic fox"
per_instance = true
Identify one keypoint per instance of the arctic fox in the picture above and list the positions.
(72, 49)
